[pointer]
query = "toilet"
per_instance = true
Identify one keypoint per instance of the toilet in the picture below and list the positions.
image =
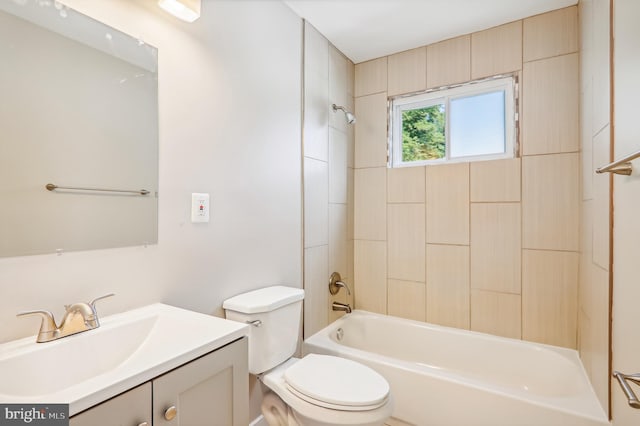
(316, 390)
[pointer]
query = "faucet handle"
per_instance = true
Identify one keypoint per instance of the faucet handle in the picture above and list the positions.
(335, 283)
(93, 302)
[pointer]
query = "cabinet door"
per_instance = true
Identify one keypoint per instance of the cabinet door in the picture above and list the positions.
(210, 391)
(132, 408)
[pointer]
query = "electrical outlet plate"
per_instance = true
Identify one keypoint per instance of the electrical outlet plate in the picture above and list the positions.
(199, 207)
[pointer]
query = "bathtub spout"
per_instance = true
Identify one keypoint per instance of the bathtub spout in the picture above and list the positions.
(337, 306)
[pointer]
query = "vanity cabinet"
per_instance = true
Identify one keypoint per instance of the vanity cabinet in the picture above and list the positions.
(131, 408)
(209, 391)
(212, 390)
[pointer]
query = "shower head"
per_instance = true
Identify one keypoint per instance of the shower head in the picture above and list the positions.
(351, 119)
(348, 114)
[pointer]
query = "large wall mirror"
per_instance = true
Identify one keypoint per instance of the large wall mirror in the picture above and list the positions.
(78, 109)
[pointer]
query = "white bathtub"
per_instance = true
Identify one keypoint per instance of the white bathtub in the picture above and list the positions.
(445, 376)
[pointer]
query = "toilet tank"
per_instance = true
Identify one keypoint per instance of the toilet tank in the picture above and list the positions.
(274, 314)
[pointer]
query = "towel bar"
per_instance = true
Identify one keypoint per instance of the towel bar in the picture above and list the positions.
(621, 167)
(51, 187)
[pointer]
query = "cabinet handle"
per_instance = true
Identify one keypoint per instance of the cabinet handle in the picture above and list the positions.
(170, 413)
(144, 424)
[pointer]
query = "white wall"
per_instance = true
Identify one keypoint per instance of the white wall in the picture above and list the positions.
(626, 205)
(229, 109)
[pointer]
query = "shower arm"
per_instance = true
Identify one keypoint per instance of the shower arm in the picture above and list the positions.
(348, 114)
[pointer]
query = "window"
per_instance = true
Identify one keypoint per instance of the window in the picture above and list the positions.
(474, 121)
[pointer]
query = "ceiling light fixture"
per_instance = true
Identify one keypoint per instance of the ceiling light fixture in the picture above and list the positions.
(187, 10)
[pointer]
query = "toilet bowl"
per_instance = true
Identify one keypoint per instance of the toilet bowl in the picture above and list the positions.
(357, 398)
(315, 390)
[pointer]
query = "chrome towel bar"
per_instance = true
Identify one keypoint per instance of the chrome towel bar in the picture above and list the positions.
(52, 187)
(620, 167)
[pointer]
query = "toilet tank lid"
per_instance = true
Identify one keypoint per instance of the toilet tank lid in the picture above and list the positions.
(264, 299)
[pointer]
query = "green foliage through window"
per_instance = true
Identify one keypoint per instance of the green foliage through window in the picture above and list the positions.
(474, 121)
(423, 136)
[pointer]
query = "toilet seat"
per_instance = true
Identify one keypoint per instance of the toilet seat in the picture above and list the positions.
(316, 414)
(336, 383)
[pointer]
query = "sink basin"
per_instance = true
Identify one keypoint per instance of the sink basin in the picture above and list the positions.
(46, 368)
(128, 349)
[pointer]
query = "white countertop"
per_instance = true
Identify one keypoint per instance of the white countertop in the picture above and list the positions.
(127, 350)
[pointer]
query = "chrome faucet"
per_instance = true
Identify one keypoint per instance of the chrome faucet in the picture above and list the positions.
(79, 317)
(337, 306)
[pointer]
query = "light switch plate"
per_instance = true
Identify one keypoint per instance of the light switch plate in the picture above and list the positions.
(199, 207)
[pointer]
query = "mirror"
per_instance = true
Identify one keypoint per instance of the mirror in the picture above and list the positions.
(79, 109)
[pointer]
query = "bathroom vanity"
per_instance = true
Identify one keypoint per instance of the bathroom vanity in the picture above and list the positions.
(155, 365)
(211, 390)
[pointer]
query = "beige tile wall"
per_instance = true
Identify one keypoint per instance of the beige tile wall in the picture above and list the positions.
(488, 246)
(448, 204)
(448, 285)
(496, 50)
(496, 313)
(550, 296)
(594, 281)
(549, 216)
(328, 178)
(406, 242)
(495, 247)
(371, 137)
(407, 71)
(551, 90)
(449, 62)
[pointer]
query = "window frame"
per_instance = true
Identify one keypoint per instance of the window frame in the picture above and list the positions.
(444, 95)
